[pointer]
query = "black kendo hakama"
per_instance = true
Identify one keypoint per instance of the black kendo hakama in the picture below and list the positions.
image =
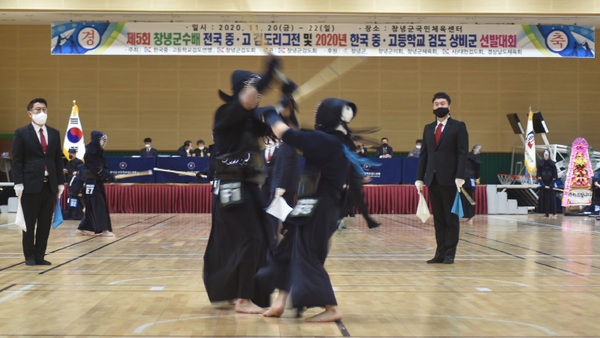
(324, 153)
(323, 178)
(547, 197)
(74, 209)
(286, 174)
(96, 173)
(472, 173)
(239, 238)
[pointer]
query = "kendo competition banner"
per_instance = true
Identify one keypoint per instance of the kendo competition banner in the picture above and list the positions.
(438, 40)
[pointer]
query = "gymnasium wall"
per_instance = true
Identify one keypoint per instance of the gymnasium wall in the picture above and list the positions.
(172, 99)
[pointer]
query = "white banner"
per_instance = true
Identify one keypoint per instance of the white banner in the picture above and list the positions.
(311, 39)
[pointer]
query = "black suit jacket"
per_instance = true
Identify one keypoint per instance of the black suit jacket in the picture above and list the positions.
(286, 171)
(181, 152)
(449, 158)
(144, 152)
(29, 160)
(390, 151)
(204, 151)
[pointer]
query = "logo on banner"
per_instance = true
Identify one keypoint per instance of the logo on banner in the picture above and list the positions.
(191, 165)
(89, 38)
(123, 165)
(74, 135)
(557, 41)
(530, 140)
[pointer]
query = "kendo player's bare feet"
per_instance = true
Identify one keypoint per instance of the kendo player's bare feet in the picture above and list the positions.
(246, 306)
(108, 234)
(84, 233)
(332, 313)
(278, 306)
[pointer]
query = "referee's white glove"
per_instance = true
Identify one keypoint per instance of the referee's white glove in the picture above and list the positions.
(19, 190)
(419, 185)
(61, 188)
(459, 183)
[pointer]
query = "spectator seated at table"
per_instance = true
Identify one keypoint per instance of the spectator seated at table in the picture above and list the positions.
(148, 151)
(416, 152)
(385, 151)
(185, 150)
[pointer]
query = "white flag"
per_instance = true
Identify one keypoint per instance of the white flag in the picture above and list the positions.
(422, 209)
(74, 135)
(530, 161)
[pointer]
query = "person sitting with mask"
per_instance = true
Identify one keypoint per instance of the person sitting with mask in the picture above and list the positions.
(385, 151)
(415, 153)
(148, 151)
(201, 151)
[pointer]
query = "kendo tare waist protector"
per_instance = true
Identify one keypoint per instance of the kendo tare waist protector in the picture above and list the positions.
(240, 167)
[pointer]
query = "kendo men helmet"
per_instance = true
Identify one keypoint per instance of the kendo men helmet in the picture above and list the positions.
(334, 114)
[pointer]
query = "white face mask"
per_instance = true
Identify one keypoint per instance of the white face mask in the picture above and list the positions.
(546, 156)
(347, 114)
(418, 146)
(201, 148)
(148, 146)
(39, 118)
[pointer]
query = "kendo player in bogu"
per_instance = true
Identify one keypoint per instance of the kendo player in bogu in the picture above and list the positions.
(240, 235)
(320, 199)
(547, 176)
(96, 172)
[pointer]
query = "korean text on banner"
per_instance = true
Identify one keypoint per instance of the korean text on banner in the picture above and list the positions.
(318, 39)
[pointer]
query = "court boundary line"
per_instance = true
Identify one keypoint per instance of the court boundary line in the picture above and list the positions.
(115, 241)
(540, 252)
(14, 293)
(525, 259)
(8, 287)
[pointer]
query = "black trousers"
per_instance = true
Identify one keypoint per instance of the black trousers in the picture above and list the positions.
(37, 208)
(446, 223)
(468, 209)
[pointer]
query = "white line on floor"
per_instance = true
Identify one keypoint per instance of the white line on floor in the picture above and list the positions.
(16, 292)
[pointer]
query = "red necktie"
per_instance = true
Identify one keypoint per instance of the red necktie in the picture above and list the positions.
(438, 133)
(147, 150)
(44, 144)
(269, 156)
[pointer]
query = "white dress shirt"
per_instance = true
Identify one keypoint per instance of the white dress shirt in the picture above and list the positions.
(443, 124)
(37, 132)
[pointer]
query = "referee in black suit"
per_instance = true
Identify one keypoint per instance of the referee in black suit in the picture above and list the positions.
(38, 173)
(442, 166)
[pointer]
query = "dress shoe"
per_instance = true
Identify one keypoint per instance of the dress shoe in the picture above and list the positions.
(30, 262)
(448, 260)
(43, 262)
(435, 260)
(373, 225)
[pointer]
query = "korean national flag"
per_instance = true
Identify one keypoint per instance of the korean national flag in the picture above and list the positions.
(74, 135)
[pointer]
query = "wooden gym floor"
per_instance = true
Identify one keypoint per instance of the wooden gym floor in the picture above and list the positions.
(514, 276)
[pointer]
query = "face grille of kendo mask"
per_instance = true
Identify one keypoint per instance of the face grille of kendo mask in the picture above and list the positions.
(103, 140)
